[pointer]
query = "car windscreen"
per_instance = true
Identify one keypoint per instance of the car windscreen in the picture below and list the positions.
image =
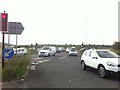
(73, 49)
(45, 48)
(68, 48)
(107, 54)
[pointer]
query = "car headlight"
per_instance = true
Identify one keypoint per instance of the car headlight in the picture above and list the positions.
(111, 64)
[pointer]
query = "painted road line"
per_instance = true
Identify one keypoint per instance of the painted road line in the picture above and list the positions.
(37, 58)
(43, 61)
(62, 57)
(47, 60)
(32, 67)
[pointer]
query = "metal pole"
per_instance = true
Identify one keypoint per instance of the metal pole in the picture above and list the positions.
(8, 47)
(8, 40)
(16, 39)
(3, 49)
(3, 45)
(86, 30)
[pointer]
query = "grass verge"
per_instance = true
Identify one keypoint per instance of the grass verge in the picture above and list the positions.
(31, 52)
(15, 68)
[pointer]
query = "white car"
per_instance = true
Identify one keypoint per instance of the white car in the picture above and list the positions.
(20, 51)
(105, 61)
(73, 52)
(68, 49)
(47, 51)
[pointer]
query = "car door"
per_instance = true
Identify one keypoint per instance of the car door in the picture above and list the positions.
(87, 58)
(93, 59)
(50, 51)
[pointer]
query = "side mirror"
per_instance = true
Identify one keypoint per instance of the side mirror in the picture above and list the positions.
(50, 49)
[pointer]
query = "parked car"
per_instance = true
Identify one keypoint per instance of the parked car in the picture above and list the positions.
(68, 49)
(20, 51)
(47, 51)
(73, 52)
(62, 49)
(58, 50)
(105, 61)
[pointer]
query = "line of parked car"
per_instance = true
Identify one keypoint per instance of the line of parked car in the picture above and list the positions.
(47, 51)
(52, 50)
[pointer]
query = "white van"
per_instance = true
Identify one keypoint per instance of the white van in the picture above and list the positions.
(20, 51)
(47, 51)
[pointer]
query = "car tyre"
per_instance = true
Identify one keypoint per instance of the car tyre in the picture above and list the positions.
(102, 71)
(83, 66)
(25, 54)
(54, 54)
(48, 54)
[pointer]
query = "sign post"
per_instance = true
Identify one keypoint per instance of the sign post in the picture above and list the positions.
(8, 53)
(15, 28)
(3, 49)
(3, 25)
(6, 27)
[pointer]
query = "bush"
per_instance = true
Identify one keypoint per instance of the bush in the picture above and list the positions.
(15, 68)
(116, 45)
(31, 52)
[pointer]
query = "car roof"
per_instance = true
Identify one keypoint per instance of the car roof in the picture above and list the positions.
(98, 50)
(72, 47)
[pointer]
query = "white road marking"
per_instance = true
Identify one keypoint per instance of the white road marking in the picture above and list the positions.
(47, 60)
(35, 63)
(40, 61)
(70, 81)
(62, 57)
(32, 67)
(37, 58)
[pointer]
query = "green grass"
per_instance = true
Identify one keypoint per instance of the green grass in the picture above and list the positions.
(31, 52)
(15, 68)
(0, 53)
(0, 61)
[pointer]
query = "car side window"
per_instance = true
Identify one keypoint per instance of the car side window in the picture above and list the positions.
(93, 54)
(22, 49)
(18, 50)
(87, 53)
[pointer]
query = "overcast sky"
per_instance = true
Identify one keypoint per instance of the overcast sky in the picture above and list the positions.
(63, 21)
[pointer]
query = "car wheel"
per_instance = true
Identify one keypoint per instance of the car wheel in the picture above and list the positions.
(102, 72)
(54, 54)
(25, 54)
(83, 66)
(39, 55)
(48, 54)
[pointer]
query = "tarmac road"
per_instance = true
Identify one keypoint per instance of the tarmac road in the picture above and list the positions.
(63, 71)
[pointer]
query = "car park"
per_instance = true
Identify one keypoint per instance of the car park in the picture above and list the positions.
(47, 51)
(73, 52)
(20, 51)
(105, 61)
